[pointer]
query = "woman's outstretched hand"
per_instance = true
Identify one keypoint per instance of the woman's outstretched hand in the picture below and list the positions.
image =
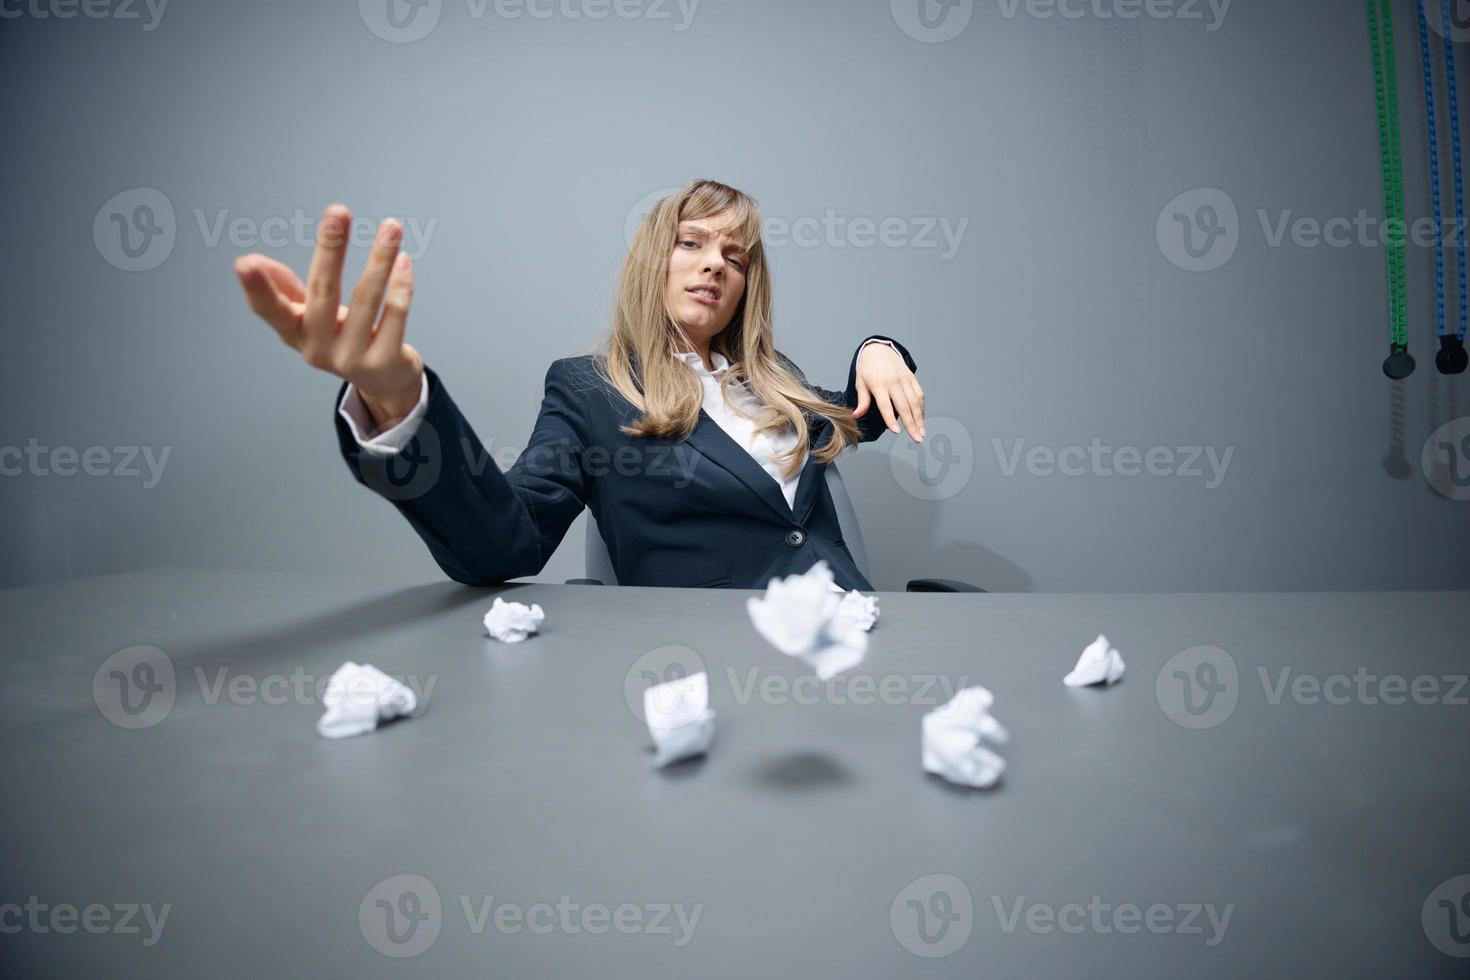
(883, 377)
(354, 341)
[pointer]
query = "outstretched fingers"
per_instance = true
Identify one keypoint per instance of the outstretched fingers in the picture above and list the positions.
(324, 285)
(367, 296)
(395, 306)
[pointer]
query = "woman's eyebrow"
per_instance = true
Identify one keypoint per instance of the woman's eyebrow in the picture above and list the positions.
(701, 229)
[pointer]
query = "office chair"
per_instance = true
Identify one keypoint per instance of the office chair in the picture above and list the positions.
(600, 568)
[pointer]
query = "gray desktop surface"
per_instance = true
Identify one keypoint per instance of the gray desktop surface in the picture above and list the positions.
(805, 842)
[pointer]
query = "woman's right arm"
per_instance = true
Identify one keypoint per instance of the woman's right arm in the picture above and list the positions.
(481, 525)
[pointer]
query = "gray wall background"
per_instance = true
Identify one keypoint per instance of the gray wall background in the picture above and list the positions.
(527, 142)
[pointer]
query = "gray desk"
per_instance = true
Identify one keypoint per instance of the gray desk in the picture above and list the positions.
(805, 840)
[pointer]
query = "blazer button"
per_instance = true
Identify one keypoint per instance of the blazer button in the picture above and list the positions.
(795, 538)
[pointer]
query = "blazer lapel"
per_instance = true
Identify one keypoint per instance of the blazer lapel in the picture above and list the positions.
(715, 444)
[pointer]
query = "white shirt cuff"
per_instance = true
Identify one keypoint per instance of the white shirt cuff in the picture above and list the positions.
(360, 420)
(876, 340)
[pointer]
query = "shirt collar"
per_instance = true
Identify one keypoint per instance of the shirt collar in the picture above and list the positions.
(693, 359)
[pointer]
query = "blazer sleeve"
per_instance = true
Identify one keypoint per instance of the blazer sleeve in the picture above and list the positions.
(482, 526)
(871, 424)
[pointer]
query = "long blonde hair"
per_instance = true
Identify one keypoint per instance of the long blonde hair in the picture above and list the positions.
(639, 356)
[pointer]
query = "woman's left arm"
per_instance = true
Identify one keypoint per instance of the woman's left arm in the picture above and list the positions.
(859, 397)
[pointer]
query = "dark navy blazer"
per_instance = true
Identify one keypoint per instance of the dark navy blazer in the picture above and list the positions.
(695, 512)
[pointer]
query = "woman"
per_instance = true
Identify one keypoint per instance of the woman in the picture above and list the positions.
(697, 445)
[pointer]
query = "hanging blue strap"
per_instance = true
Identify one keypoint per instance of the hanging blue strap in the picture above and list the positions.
(1433, 132)
(1460, 231)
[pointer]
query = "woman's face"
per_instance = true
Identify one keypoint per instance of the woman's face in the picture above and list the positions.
(706, 276)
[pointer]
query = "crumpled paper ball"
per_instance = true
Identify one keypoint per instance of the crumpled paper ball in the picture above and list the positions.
(804, 616)
(512, 622)
(679, 718)
(954, 737)
(1100, 663)
(358, 698)
(862, 608)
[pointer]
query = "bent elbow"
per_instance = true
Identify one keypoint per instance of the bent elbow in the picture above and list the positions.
(485, 572)
(475, 581)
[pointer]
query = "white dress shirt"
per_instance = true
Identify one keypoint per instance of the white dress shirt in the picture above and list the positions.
(763, 448)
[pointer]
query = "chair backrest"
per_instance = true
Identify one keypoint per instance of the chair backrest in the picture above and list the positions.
(600, 566)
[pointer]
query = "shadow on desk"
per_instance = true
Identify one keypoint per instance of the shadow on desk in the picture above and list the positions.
(364, 618)
(800, 771)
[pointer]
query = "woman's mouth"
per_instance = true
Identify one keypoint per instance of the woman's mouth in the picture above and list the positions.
(708, 295)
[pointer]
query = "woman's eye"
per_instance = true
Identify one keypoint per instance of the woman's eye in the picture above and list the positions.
(738, 263)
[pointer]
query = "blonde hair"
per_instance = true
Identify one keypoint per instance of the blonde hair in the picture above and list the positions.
(639, 356)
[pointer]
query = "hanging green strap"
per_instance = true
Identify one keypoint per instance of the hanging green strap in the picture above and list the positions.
(1386, 89)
